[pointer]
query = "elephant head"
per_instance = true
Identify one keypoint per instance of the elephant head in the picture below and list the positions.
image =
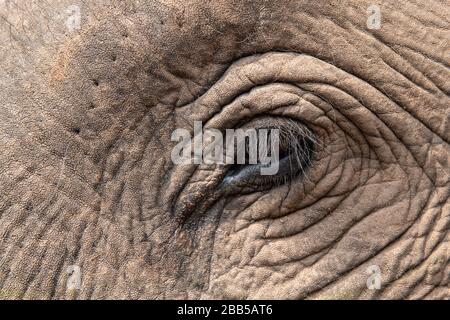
(92, 92)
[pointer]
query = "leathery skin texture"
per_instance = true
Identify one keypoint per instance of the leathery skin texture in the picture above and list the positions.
(86, 177)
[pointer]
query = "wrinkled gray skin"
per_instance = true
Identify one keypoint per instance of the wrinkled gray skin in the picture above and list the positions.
(86, 177)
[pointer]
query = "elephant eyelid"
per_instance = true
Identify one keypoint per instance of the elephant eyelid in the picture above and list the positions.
(297, 146)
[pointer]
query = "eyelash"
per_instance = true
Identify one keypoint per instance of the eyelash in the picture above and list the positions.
(297, 145)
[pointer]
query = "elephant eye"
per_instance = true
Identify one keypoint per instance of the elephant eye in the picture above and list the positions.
(295, 152)
(297, 145)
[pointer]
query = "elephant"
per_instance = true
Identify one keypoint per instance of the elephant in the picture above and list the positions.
(92, 207)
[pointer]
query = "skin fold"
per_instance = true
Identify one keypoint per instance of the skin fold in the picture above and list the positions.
(86, 177)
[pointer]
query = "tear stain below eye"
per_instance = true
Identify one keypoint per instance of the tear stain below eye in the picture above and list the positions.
(199, 195)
